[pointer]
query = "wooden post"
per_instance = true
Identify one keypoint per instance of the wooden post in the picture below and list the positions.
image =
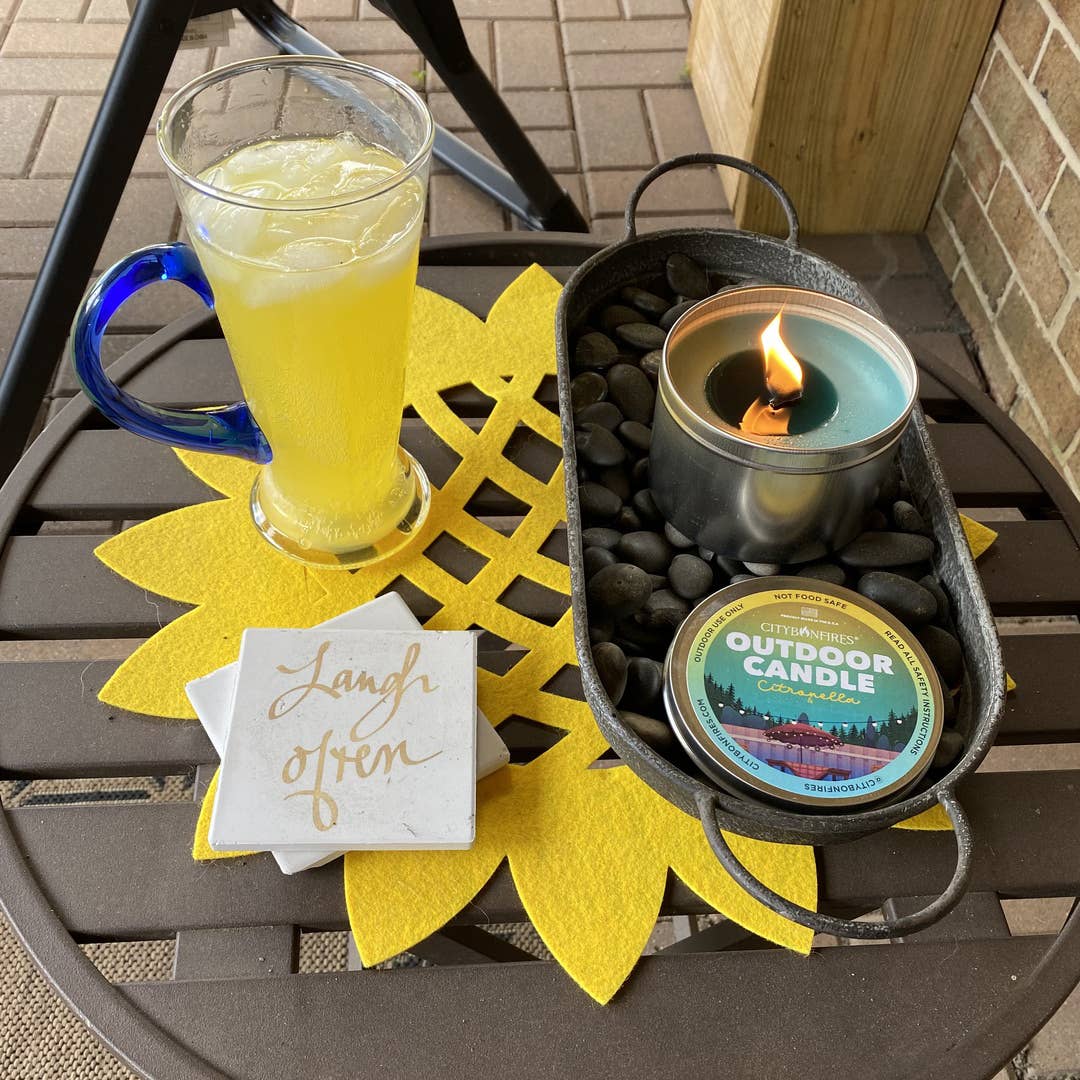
(853, 105)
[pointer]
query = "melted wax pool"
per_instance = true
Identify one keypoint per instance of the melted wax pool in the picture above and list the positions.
(851, 391)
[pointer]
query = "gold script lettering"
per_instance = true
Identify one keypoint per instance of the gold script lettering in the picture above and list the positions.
(287, 700)
(365, 758)
(384, 755)
(393, 688)
(324, 808)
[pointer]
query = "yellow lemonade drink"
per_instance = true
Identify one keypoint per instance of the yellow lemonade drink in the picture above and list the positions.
(315, 304)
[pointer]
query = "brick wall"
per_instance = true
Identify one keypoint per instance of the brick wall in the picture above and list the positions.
(1006, 223)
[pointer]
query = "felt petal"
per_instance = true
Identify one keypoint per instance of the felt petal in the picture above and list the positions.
(933, 820)
(521, 316)
(979, 536)
(787, 869)
(442, 339)
(172, 555)
(231, 476)
(167, 554)
(586, 868)
(397, 898)
(196, 644)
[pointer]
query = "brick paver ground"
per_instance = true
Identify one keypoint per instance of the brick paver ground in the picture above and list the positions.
(600, 86)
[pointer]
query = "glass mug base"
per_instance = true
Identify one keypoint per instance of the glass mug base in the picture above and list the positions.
(365, 554)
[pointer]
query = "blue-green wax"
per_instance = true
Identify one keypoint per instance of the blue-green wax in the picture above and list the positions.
(864, 393)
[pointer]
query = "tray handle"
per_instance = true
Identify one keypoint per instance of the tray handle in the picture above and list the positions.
(828, 924)
(713, 159)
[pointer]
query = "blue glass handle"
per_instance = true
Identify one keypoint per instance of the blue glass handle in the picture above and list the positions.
(230, 429)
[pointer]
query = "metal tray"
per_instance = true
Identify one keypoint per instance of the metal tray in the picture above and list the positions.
(749, 257)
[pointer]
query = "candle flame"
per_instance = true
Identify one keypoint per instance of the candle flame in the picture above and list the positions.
(783, 373)
(770, 414)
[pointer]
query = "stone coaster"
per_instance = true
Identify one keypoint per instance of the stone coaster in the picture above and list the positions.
(358, 738)
(212, 698)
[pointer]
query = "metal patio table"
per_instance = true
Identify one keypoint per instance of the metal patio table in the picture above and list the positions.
(952, 1002)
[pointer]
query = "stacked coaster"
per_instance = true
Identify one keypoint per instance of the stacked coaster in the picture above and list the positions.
(360, 733)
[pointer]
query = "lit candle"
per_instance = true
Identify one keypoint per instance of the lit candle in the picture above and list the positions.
(778, 416)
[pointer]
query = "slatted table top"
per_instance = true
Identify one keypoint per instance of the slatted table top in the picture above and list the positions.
(954, 1001)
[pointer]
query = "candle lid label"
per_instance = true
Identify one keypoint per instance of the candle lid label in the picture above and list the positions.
(806, 693)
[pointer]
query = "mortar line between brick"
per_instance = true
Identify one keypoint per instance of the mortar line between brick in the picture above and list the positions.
(946, 224)
(653, 142)
(684, 211)
(1053, 187)
(615, 168)
(1071, 448)
(560, 52)
(589, 216)
(590, 18)
(1045, 115)
(35, 224)
(1024, 393)
(575, 143)
(993, 187)
(1014, 367)
(652, 16)
(38, 139)
(527, 128)
(496, 18)
(31, 92)
(1042, 47)
(1017, 280)
(645, 51)
(587, 209)
(1062, 313)
(939, 209)
(78, 55)
(1040, 218)
(1058, 24)
(964, 264)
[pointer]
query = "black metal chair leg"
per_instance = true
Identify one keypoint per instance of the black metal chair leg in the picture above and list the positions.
(528, 190)
(436, 29)
(145, 57)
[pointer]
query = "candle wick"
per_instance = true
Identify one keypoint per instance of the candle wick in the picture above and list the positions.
(780, 401)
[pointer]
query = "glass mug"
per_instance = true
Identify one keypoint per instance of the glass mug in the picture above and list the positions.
(301, 182)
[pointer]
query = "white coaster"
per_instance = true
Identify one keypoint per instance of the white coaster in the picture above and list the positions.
(212, 697)
(362, 738)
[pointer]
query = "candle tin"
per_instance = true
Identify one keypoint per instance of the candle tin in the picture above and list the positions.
(733, 257)
(778, 498)
(802, 694)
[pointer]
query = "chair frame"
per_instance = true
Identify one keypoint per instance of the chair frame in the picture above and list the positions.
(524, 186)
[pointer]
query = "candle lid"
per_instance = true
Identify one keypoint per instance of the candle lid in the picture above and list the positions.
(801, 692)
(687, 369)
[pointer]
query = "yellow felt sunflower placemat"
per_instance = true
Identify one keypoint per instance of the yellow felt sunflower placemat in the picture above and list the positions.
(589, 848)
